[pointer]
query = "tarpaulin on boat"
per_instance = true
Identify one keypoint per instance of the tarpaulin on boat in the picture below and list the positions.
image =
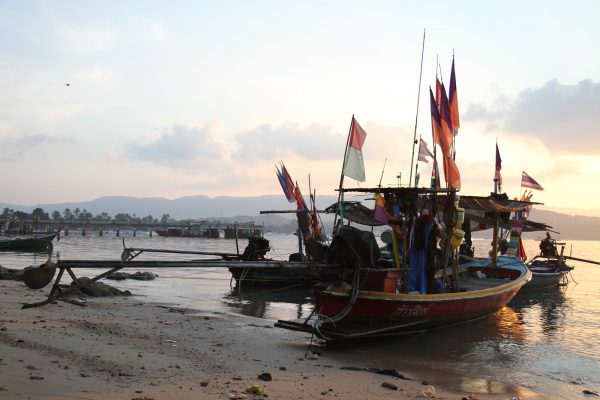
(479, 222)
(493, 204)
(355, 212)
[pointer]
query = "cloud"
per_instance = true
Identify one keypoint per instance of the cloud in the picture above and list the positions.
(564, 117)
(18, 149)
(150, 29)
(182, 147)
(98, 76)
(87, 41)
(315, 142)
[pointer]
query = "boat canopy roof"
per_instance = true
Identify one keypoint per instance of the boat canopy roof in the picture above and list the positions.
(494, 203)
(480, 222)
(479, 209)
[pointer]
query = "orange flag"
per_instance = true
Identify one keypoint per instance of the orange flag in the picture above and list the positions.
(451, 172)
(440, 129)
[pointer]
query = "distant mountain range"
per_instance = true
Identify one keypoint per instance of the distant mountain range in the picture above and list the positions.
(575, 227)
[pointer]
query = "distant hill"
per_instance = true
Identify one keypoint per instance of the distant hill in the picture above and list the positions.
(192, 207)
(575, 227)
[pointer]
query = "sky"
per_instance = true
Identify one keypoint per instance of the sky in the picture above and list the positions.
(184, 98)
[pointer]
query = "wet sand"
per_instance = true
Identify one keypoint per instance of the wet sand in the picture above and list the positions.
(122, 348)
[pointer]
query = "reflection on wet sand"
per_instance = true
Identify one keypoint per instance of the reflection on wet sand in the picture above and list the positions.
(486, 386)
(270, 303)
(465, 349)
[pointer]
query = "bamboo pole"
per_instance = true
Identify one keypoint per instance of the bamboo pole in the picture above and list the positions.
(495, 244)
(340, 194)
(581, 259)
(417, 113)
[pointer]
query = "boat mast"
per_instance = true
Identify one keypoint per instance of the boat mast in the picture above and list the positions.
(417, 114)
(340, 208)
(495, 244)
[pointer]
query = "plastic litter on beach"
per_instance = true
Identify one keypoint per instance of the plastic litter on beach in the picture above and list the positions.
(255, 389)
(235, 395)
(429, 391)
(309, 355)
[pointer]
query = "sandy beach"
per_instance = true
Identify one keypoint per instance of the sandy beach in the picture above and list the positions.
(123, 348)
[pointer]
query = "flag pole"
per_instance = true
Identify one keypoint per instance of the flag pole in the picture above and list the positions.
(377, 194)
(521, 188)
(454, 130)
(417, 162)
(434, 146)
(340, 196)
(417, 114)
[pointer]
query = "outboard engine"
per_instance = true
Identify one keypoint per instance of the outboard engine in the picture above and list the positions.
(351, 246)
(256, 249)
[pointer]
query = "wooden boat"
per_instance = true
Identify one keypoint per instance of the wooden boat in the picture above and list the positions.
(187, 233)
(39, 243)
(447, 293)
(484, 290)
(288, 274)
(549, 268)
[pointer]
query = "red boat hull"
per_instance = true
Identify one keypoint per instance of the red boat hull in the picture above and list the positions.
(368, 308)
(428, 310)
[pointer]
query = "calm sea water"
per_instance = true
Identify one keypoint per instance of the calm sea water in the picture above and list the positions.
(545, 341)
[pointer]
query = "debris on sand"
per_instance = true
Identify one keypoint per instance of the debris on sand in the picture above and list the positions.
(382, 371)
(140, 276)
(98, 289)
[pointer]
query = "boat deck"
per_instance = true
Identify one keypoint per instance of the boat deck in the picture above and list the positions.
(470, 284)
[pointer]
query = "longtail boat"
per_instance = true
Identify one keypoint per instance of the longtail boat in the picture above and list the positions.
(427, 288)
(39, 243)
(549, 268)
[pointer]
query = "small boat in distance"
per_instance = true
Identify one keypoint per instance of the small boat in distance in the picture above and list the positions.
(39, 243)
(549, 267)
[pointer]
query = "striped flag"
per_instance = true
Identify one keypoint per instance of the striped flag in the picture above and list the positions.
(436, 121)
(286, 182)
(354, 166)
(424, 151)
(453, 99)
(529, 182)
(445, 121)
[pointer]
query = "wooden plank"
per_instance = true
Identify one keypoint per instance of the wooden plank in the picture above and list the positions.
(268, 264)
